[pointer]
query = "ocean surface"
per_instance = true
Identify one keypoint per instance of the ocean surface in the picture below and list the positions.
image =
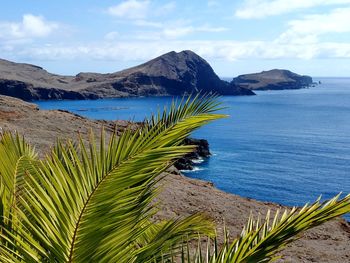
(287, 146)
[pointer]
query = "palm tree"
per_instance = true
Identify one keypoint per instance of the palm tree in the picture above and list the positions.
(93, 202)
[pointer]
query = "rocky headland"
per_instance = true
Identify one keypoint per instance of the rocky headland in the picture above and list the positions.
(181, 195)
(170, 74)
(275, 79)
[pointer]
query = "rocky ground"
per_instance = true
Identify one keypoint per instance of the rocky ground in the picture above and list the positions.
(181, 195)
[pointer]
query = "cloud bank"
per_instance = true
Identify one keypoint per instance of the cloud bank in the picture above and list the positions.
(252, 9)
(31, 26)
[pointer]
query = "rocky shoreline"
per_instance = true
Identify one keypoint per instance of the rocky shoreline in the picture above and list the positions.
(201, 152)
(181, 195)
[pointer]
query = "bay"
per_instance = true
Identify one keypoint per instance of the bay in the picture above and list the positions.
(288, 146)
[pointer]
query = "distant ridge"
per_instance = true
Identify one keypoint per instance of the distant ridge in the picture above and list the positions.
(170, 74)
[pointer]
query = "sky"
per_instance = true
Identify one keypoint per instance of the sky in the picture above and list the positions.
(236, 37)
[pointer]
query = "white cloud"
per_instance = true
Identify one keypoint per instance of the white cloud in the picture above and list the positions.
(144, 13)
(174, 31)
(31, 26)
(223, 50)
(213, 3)
(264, 8)
(140, 9)
(207, 28)
(309, 28)
(146, 23)
(165, 9)
(130, 9)
(336, 21)
(112, 35)
(301, 40)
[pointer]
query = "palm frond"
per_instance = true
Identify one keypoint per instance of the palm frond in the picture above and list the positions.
(15, 163)
(92, 204)
(168, 238)
(261, 240)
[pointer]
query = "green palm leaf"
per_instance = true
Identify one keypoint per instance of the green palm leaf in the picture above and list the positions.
(15, 164)
(260, 242)
(169, 237)
(94, 202)
(92, 205)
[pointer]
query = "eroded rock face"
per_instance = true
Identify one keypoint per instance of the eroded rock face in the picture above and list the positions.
(177, 74)
(170, 74)
(26, 91)
(202, 151)
(275, 79)
(16, 89)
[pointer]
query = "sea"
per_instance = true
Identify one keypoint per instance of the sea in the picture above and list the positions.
(287, 146)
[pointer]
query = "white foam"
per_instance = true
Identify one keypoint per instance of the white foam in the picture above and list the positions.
(199, 160)
(195, 169)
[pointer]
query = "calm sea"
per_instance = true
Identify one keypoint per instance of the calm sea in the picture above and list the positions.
(285, 146)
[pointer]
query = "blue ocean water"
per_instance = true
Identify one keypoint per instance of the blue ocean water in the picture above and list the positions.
(287, 146)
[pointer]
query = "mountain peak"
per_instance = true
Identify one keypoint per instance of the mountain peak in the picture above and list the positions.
(178, 73)
(174, 73)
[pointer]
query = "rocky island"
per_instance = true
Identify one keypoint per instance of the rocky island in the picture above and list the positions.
(170, 74)
(275, 79)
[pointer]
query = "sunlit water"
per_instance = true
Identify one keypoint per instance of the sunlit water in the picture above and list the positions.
(283, 146)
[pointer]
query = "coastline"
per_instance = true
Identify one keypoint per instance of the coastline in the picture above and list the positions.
(181, 195)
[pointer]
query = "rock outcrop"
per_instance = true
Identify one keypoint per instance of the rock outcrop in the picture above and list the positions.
(202, 151)
(175, 74)
(170, 74)
(275, 79)
(29, 92)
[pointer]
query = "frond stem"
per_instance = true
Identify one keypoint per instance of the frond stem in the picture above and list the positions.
(79, 220)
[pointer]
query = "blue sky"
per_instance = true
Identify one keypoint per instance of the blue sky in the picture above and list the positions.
(235, 37)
